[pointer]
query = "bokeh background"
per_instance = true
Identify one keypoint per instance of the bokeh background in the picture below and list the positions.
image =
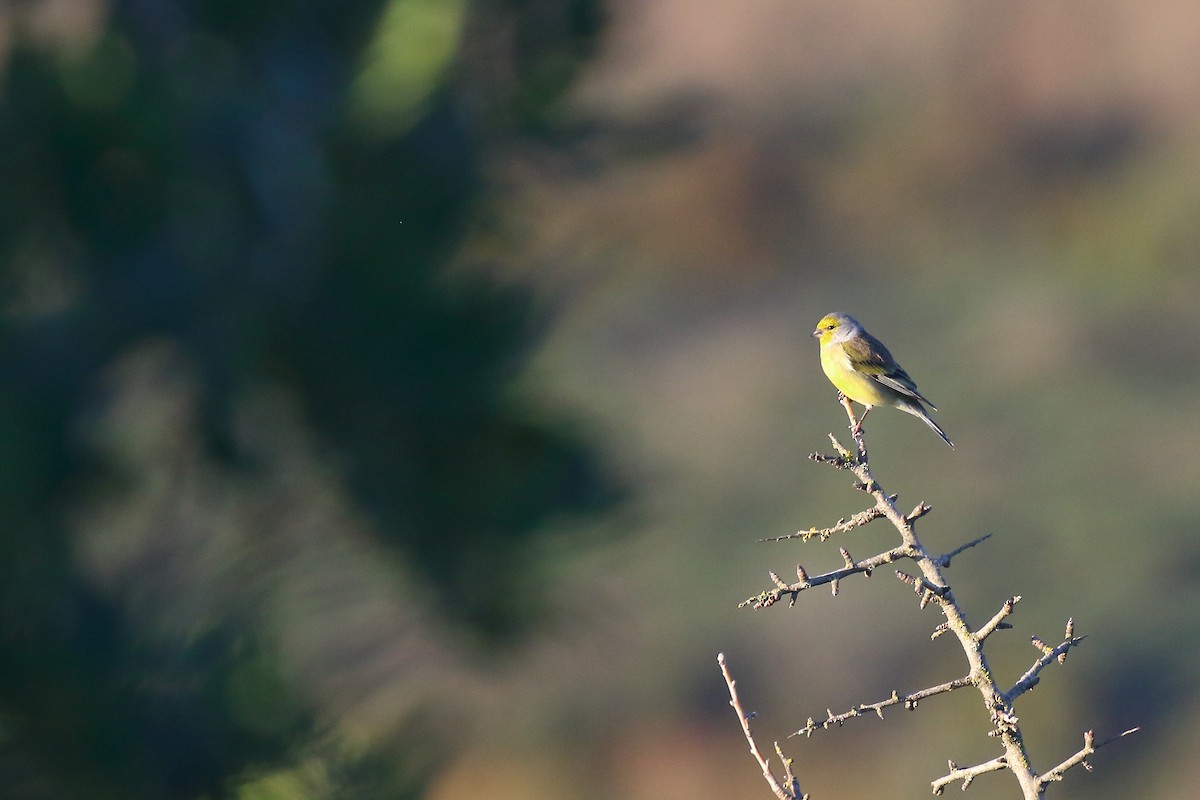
(392, 391)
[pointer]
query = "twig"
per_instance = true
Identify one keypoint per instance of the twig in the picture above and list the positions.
(1049, 654)
(967, 774)
(843, 524)
(908, 700)
(789, 776)
(997, 622)
(792, 792)
(1080, 758)
(770, 597)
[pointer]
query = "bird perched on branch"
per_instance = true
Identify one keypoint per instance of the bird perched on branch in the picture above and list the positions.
(864, 371)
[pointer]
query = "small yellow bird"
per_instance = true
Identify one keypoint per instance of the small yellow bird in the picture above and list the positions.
(863, 370)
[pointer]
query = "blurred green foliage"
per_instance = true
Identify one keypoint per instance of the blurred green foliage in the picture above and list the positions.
(276, 189)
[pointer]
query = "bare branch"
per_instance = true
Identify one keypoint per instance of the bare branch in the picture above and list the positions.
(1049, 655)
(967, 774)
(843, 524)
(1080, 758)
(789, 776)
(997, 622)
(772, 596)
(909, 701)
(843, 460)
(792, 792)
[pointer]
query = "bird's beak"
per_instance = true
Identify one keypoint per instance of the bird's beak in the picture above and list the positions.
(817, 332)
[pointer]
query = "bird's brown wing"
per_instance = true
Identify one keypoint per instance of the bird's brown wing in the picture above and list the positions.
(869, 357)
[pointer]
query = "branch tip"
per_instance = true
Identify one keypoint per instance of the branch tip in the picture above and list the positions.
(793, 791)
(1080, 758)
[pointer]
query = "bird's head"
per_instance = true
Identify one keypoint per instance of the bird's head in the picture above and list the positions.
(836, 327)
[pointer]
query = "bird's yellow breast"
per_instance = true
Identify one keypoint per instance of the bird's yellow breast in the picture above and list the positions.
(841, 373)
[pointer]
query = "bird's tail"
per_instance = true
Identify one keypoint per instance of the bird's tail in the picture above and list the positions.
(917, 410)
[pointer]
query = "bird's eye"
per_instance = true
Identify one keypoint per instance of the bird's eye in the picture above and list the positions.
(830, 326)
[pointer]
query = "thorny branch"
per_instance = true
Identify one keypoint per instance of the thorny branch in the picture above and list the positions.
(909, 701)
(843, 524)
(930, 586)
(867, 566)
(968, 774)
(1049, 654)
(997, 622)
(1080, 758)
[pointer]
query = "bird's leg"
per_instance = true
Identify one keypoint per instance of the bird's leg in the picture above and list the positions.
(856, 428)
(856, 424)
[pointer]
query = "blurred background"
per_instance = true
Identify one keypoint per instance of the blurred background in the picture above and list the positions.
(392, 392)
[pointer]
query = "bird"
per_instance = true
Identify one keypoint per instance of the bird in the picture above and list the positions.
(863, 370)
